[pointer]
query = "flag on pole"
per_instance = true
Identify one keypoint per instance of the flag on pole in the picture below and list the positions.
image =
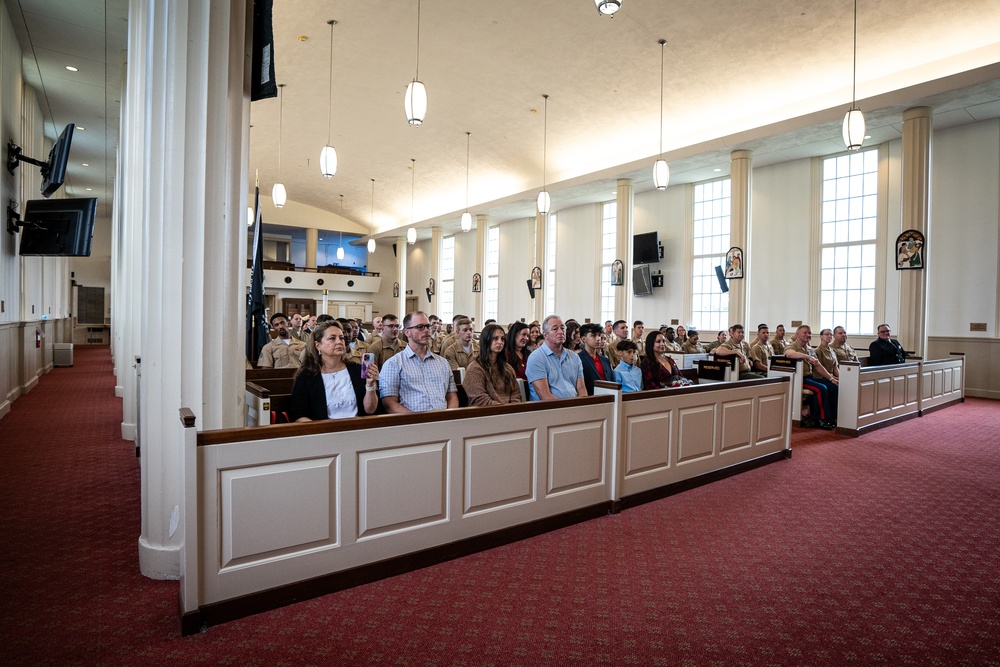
(257, 329)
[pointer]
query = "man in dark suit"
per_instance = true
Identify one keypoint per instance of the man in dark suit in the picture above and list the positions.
(596, 366)
(885, 350)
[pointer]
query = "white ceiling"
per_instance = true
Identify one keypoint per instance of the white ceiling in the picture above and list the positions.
(770, 76)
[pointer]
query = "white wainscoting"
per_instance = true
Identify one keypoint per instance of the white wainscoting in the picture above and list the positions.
(278, 510)
(675, 434)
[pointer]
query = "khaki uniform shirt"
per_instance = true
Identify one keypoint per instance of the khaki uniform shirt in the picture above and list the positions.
(354, 355)
(384, 351)
(844, 352)
(807, 369)
(762, 353)
(456, 354)
(779, 346)
(741, 347)
(827, 357)
(688, 348)
(673, 347)
(611, 350)
(277, 354)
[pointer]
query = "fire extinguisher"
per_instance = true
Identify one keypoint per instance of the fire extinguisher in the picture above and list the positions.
(38, 338)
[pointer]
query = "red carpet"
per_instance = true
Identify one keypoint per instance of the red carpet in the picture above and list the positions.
(881, 550)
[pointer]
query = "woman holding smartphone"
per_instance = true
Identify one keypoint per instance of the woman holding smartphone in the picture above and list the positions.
(329, 387)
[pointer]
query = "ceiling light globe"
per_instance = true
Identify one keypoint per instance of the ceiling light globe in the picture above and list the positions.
(278, 195)
(371, 246)
(544, 202)
(328, 161)
(608, 7)
(411, 236)
(250, 216)
(340, 253)
(466, 221)
(661, 174)
(415, 103)
(854, 129)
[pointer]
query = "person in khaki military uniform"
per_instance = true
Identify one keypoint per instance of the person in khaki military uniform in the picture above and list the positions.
(840, 347)
(761, 351)
(778, 343)
(387, 344)
(826, 356)
(462, 349)
(284, 350)
(619, 331)
(736, 346)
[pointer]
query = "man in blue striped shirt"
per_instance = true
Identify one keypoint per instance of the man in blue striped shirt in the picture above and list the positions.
(416, 379)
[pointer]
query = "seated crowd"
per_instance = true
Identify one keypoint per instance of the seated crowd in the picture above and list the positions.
(344, 371)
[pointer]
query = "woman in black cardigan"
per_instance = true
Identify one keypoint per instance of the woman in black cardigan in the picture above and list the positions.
(327, 386)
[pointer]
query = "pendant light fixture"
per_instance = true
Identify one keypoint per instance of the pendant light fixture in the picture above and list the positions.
(467, 217)
(608, 7)
(544, 201)
(661, 172)
(411, 233)
(278, 191)
(854, 121)
(328, 156)
(415, 101)
(371, 223)
(340, 248)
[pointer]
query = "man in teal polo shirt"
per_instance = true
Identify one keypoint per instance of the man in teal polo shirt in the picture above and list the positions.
(552, 371)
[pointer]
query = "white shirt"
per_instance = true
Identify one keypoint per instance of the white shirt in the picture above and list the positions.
(340, 400)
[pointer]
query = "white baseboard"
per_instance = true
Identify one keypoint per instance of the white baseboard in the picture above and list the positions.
(982, 393)
(119, 390)
(4, 409)
(128, 431)
(159, 562)
(29, 385)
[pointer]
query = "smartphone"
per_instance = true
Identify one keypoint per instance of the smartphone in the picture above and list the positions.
(367, 359)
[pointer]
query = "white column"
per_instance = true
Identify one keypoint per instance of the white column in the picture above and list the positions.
(402, 248)
(482, 233)
(541, 241)
(917, 127)
(624, 229)
(193, 274)
(437, 241)
(741, 176)
(312, 242)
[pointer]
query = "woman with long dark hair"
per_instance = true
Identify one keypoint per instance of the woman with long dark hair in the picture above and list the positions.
(327, 386)
(489, 378)
(515, 347)
(573, 342)
(658, 370)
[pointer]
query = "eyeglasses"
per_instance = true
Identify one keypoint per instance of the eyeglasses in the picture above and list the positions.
(390, 326)
(420, 327)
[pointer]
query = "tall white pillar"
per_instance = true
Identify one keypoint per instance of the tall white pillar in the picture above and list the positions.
(917, 127)
(482, 233)
(312, 242)
(193, 197)
(624, 228)
(541, 239)
(437, 241)
(741, 177)
(402, 248)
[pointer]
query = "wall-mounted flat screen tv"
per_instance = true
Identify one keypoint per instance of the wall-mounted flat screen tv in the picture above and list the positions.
(645, 248)
(54, 173)
(63, 227)
(642, 284)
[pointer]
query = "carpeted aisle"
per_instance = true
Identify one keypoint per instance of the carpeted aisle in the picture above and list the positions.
(879, 550)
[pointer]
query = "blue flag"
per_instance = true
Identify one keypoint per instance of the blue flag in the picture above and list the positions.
(257, 329)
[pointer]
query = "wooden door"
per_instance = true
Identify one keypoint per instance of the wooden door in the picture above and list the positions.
(290, 306)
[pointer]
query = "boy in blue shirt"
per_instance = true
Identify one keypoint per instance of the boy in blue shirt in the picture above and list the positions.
(626, 372)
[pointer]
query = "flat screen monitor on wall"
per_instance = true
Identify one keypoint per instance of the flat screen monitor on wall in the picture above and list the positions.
(61, 227)
(642, 284)
(645, 248)
(54, 173)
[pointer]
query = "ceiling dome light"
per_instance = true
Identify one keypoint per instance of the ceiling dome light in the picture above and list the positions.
(411, 236)
(371, 246)
(544, 202)
(661, 171)
(328, 156)
(415, 100)
(340, 253)
(854, 121)
(278, 195)
(466, 221)
(608, 7)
